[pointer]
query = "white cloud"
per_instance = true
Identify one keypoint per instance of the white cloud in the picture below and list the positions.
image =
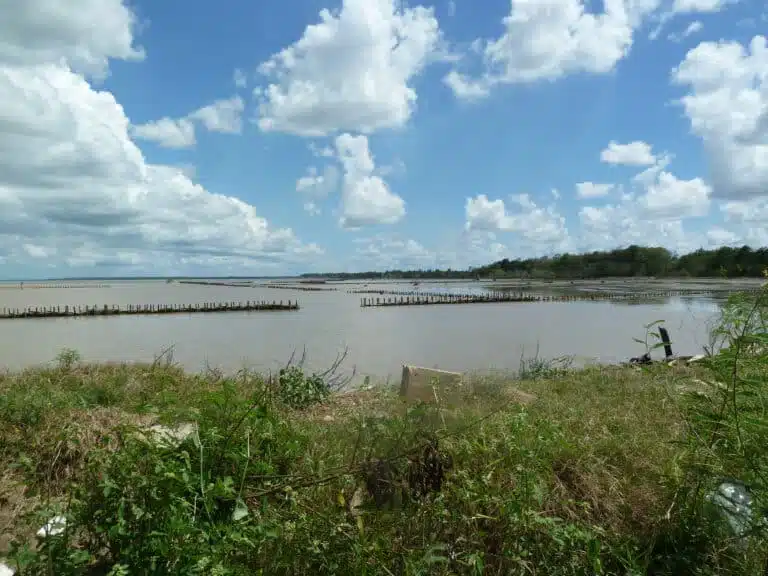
(692, 28)
(324, 152)
(366, 198)
(167, 132)
(239, 78)
(538, 226)
(83, 35)
(718, 236)
(727, 105)
(751, 211)
(71, 179)
(688, 6)
(386, 253)
(654, 210)
(593, 189)
(315, 186)
(669, 196)
(224, 116)
(606, 227)
(636, 153)
(547, 39)
(312, 208)
(351, 71)
(39, 252)
(466, 88)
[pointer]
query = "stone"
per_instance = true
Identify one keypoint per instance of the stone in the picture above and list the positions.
(6, 570)
(418, 383)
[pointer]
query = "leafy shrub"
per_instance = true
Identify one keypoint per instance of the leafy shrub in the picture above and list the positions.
(728, 437)
(67, 359)
(299, 391)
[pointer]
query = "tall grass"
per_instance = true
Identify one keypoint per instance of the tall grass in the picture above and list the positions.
(608, 471)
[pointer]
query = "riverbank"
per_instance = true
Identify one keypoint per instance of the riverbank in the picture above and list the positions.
(590, 471)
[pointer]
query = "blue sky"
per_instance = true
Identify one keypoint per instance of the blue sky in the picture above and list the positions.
(257, 138)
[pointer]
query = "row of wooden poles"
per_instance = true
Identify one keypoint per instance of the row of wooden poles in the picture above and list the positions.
(246, 284)
(25, 285)
(590, 295)
(425, 298)
(136, 309)
(241, 284)
(300, 288)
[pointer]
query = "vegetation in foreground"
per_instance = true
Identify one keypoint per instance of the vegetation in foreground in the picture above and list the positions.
(608, 471)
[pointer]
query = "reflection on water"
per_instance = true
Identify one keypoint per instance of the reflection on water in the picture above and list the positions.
(461, 337)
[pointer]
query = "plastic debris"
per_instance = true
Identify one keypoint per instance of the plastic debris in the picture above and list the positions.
(6, 570)
(165, 436)
(734, 501)
(54, 527)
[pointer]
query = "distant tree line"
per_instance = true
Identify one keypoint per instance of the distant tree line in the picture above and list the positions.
(622, 262)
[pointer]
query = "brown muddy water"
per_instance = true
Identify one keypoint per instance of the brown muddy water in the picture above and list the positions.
(467, 337)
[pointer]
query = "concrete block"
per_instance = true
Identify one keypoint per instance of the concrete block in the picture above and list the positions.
(417, 382)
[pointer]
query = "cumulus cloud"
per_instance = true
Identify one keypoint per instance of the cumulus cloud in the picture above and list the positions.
(223, 116)
(84, 36)
(71, 178)
(388, 252)
(593, 190)
(678, 198)
(365, 198)
(637, 153)
(753, 211)
(538, 227)
(688, 6)
(167, 132)
(653, 211)
(351, 71)
(718, 236)
(548, 39)
(606, 227)
(727, 106)
(315, 186)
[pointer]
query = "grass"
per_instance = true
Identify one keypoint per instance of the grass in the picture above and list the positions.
(603, 470)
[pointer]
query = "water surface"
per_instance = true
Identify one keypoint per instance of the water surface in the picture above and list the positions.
(378, 340)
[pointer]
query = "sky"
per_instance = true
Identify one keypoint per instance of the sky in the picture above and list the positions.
(262, 138)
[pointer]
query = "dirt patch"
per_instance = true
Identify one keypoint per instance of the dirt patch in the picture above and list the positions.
(347, 405)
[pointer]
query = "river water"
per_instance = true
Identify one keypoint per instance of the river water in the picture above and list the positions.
(467, 337)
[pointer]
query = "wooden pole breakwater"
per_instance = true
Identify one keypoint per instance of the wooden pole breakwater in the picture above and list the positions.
(422, 299)
(571, 296)
(429, 299)
(242, 284)
(27, 286)
(300, 288)
(146, 309)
